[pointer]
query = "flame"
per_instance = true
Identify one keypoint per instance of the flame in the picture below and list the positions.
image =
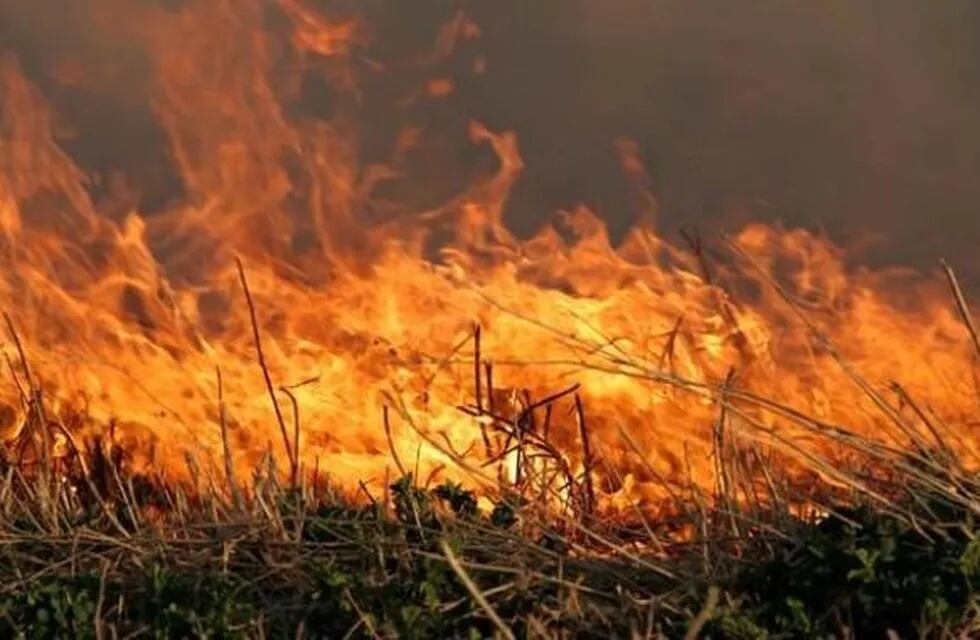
(139, 320)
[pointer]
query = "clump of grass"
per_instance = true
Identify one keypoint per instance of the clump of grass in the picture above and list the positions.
(297, 563)
(89, 549)
(289, 565)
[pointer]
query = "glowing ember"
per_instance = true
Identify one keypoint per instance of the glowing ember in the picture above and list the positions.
(128, 319)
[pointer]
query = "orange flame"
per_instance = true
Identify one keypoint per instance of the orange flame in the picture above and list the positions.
(127, 320)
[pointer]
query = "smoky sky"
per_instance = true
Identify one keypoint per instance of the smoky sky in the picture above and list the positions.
(861, 118)
(858, 118)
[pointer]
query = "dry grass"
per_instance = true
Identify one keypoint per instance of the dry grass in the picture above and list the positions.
(90, 549)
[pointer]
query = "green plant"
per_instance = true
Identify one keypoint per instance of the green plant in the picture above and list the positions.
(866, 572)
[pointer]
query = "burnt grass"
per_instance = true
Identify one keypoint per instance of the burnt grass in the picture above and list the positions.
(83, 557)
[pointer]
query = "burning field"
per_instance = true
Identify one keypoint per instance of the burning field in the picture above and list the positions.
(270, 342)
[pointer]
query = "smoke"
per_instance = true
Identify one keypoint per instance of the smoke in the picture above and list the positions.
(855, 117)
(858, 118)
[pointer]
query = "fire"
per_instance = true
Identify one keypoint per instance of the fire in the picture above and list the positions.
(135, 325)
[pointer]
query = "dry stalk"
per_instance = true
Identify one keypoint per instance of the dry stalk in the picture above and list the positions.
(961, 305)
(257, 338)
(80, 456)
(704, 616)
(236, 495)
(474, 591)
(294, 479)
(587, 457)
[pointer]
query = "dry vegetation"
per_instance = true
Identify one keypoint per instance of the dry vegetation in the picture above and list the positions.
(96, 552)
(92, 550)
